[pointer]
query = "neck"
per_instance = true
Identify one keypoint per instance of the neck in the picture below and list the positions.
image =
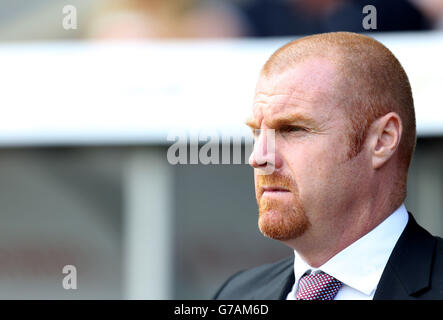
(319, 244)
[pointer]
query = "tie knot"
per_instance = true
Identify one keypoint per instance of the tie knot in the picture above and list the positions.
(319, 286)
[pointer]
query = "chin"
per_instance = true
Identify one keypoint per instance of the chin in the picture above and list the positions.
(282, 226)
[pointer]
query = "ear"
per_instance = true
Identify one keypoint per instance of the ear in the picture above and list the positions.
(384, 137)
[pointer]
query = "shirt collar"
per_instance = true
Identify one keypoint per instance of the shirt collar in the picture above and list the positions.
(361, 264)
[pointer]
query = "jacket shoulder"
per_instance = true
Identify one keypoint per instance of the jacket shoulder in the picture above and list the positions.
(245, 285)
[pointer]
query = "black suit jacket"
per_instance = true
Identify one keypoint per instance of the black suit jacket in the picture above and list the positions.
(414, 271)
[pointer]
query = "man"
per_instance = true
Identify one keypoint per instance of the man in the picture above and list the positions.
(338, 108)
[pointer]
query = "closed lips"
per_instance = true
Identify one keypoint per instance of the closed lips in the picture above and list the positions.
(275, 189)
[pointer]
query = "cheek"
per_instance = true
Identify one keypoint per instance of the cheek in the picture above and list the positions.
(314, 167)
(300, 167)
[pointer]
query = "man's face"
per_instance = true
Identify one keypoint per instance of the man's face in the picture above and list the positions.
(313, 182)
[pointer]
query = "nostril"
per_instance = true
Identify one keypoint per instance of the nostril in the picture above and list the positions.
(258, 162)
(261, 162)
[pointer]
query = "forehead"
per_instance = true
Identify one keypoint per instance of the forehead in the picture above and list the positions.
(307, 88)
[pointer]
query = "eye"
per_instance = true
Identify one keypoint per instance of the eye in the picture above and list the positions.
(255, 132)
(289, 129)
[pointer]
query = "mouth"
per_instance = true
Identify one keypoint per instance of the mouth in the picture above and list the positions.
(274, 189)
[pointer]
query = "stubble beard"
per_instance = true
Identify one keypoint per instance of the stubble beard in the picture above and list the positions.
(281, 219)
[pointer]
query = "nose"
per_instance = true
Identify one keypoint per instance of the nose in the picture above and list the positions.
(264, 156)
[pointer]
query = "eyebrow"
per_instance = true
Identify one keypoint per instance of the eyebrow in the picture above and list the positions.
(252, 123)
(281, 120)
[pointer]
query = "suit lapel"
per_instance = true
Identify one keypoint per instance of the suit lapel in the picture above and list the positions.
(408, 270)
(280, 287)
(287, 283)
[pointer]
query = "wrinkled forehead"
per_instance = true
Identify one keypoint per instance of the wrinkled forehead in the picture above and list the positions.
(309, 87)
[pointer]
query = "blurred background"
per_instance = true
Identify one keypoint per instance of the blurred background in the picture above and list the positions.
(90, 91)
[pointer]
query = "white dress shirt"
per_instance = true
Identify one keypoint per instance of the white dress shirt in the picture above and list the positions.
(360, 265)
